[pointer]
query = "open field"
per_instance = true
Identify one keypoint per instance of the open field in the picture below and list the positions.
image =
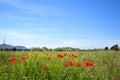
(53, 65)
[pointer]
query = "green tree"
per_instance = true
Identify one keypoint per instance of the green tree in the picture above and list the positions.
(45, 48)
(14, 49)
(115, 47)
(106, 48)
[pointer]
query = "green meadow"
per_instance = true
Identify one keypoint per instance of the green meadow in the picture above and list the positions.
(49, 65)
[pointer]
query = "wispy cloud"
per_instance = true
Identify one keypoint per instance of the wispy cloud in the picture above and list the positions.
(21, 35)
(18, 35)
(26, 39)
(4, 15)
(36, 27)
(35, 9)
(11, 2)
(40, 40)
(89, 43)
(82, 44)
(26, 27)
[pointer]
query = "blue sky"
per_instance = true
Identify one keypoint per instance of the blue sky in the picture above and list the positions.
(85, 24)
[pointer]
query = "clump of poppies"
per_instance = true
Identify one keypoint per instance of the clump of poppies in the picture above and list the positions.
(59, 55)
(12, 60)
(74, 55)
(70, 63)
(88, 63)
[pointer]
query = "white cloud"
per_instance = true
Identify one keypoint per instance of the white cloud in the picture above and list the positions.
(35, 9)
(13, 16)
(23, 27)
(21, 35)
(67, 43)
(40, 27)
(89, 43)
(11, 2)
(40, 40)
(82, 44)
(25, 39)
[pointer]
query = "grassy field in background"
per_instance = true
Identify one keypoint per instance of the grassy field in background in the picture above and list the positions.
(49, 65)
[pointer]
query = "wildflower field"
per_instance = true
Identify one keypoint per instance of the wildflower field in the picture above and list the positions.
(54, 65)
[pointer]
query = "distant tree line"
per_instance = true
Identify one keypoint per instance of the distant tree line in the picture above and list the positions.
(56, 49)
(43, 48)
(114, 47)
(13, 49)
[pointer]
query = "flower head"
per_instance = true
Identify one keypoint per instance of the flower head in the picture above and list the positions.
(24, 58)
(74, 56)
(19, 60)
(60, 55)
(12, 60)
(64, 54)
(88, 63)
(45, 68)
(70, 63)
(79, 64)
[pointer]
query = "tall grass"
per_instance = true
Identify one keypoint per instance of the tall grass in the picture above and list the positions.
(106, 65)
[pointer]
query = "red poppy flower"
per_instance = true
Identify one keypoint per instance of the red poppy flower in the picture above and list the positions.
(70, 63)
(79, 64)
(60, 55)
(24, 58)
(64, 54)
(19, 60)
(67, 64)
(88, 63)
(74, 56)
(12, 60)
(45, 68)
